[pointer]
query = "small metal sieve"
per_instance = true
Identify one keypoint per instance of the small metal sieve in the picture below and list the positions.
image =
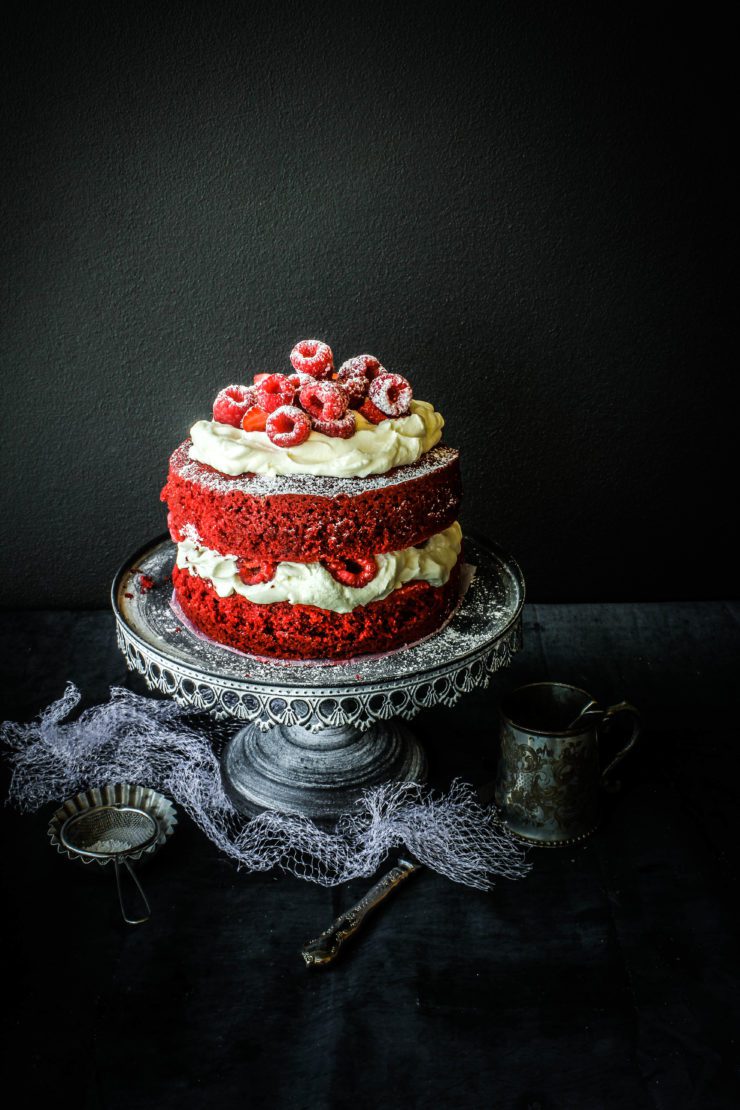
(118, 823)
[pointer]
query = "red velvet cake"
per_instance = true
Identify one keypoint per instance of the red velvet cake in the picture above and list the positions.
(316, 516)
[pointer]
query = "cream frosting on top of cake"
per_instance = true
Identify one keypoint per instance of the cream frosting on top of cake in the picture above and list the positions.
(312, 584)
(373, 449)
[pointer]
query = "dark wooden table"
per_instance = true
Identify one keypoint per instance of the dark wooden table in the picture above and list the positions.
(606, 978)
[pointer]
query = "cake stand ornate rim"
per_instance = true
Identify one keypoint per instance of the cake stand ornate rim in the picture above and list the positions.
(465, 653)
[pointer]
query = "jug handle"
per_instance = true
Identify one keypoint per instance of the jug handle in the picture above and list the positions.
(606, 726)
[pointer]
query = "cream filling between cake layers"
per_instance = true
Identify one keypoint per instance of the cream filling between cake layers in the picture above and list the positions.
(373, 449)
(312, 584)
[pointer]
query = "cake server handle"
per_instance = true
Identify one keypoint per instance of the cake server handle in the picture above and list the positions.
(322, 950)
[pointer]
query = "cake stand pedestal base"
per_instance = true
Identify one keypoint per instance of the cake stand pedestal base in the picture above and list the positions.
(318, 774)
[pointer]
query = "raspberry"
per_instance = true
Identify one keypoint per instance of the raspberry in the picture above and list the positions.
(255, 419)
(313, 357)
(340, 428)
(299, 379)
(391, 393)
(231, 404)
(253, 573)
(288, 426)
(371, 412)
(356, 388)
(260, 378)
(365, 365)
(352, 572)
(274, 391)
(324, 400)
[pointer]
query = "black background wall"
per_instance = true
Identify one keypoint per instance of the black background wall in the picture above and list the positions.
(519, 205)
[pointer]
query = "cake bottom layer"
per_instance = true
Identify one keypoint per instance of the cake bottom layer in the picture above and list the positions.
(286, 631)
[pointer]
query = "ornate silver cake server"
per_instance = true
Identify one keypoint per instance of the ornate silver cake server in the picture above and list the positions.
(326, 947)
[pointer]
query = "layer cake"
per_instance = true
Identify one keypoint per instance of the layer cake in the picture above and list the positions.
(316, 515)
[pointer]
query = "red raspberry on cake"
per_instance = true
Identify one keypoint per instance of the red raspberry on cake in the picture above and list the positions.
(252, 574)
(313, 357)
(273, 391)
(299, 379)
(355, 382)
(391, 393)
(352, 572)
(288, 426)
(366, 366)
(232, 402)
(324, 400)
(343, 427)
(356, 391)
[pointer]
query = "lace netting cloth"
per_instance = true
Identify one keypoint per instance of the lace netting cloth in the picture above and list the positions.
(154, 743)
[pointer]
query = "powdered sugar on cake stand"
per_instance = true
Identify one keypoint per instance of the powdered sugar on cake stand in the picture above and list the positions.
(316, 734)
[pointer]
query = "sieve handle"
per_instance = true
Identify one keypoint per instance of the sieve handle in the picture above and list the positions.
(137, 884)
(322, 950)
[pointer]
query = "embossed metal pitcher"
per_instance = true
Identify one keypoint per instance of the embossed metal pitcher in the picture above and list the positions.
(550, 772)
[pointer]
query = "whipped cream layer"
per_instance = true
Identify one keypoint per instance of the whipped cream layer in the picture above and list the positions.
(312, 584)
(373, 449)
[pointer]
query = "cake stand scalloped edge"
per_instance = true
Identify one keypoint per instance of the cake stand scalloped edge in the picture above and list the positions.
(308, 708)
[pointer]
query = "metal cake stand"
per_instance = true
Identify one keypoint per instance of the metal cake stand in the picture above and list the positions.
(314, 734)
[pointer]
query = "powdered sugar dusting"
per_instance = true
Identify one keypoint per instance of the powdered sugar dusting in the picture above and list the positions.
(190, 532)
(263, 485)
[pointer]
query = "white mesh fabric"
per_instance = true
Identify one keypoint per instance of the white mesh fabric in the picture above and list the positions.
(153, 743)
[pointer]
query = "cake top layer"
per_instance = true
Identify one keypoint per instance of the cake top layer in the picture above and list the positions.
(356, 422)
(261, 485)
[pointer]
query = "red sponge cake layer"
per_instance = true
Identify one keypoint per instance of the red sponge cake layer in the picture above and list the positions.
(306, 518)
(305, 632)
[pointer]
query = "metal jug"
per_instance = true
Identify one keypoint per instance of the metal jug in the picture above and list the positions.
(550, 771)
